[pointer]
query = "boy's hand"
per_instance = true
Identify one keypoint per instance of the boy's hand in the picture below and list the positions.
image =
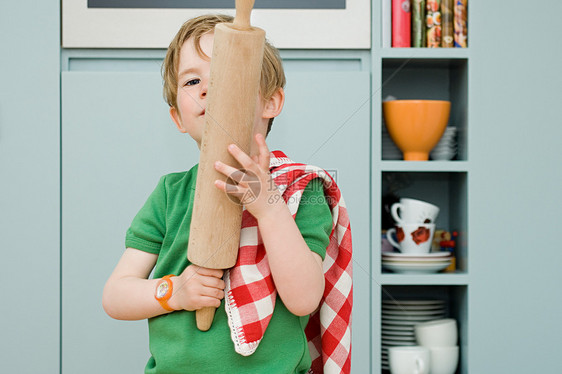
(254, 187)
(197, 287)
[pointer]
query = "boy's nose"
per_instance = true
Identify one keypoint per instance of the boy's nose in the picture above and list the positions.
(203, 92)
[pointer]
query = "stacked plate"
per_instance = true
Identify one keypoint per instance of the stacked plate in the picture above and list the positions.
(446, 149)
(422, 263)
(389, 150)
(399, 318)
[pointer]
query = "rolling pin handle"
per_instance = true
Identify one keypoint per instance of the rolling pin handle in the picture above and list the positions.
(243, 11)
(204, 318)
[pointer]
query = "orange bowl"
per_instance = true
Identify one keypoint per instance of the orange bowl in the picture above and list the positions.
(416, 125)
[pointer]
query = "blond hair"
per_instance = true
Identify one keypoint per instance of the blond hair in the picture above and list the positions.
(272, 74)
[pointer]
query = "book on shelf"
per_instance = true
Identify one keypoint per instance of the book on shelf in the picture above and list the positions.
(433, 23)
(401, 24)
(418, 23)
(447, 26)
(459, 24)
(424, 23)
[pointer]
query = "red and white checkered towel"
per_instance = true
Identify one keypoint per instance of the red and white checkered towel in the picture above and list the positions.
(250, 291)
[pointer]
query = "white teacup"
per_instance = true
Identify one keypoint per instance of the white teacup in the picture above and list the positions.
(414, 238)
(444, 360)
(411, 211)
(437, 333)
(409, 360)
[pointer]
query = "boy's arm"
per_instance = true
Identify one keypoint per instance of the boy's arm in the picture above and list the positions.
(296, 270)
(129, 295)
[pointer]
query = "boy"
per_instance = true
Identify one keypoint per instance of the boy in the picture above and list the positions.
(158, 237)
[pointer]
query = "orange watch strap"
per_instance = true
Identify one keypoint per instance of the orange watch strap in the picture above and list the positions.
(163, 300)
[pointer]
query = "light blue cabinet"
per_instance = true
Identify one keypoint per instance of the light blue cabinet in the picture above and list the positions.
(118, 139)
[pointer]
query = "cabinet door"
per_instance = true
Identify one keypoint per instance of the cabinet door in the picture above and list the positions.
(117, 140)
(326, 122)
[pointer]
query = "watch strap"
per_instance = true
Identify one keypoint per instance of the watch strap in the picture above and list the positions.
(166, 281)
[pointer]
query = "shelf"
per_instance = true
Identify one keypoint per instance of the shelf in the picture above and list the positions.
(441, 279)
(455, 297)
(413, 166)
(424, 53)
(431, 78)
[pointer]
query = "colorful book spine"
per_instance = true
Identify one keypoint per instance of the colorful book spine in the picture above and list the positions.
(459, 24)
(401, 23)
(447, 20)
(418, 23)
(433, 23)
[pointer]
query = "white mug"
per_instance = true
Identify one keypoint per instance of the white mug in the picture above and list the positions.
(409, 360)
(437, 333)
(413, 211)
(444, 360)
(414, 238)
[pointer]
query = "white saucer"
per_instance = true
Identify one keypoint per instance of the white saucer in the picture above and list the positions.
(392, 343)
(402, 307)
(420, 255)
(412, 313)
(402, 329)
(410, 323)
(413, 302)
(387, 317)
(417, 261)
(408, 268)
(409, 333)
(411, 338)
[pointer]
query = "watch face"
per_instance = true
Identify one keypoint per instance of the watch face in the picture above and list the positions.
(162, 289)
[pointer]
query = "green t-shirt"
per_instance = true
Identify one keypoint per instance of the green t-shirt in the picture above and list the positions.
(177, 346)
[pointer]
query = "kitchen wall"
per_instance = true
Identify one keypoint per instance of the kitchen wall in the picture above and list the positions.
(30, 186)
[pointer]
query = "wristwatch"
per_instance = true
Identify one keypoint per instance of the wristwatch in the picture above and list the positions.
(163, 292)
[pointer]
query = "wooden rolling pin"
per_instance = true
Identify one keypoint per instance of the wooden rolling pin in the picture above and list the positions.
(233, 89)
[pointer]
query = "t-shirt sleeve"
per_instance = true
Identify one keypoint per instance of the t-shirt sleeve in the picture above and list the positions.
(314, 218)
(148, 228)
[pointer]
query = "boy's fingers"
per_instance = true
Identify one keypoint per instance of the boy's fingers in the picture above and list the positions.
(240, 156)
(232, 190)
(264, 152)
(207, 301)
(213, 292)
(239, 176)
(229, 171)
(217, 273)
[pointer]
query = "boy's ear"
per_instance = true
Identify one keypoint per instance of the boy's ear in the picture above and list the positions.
(275, 104)
(177, 119)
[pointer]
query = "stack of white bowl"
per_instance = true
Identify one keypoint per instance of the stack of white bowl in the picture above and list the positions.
(399, 318)
(446, 149)
(389, 150)
(441, 338)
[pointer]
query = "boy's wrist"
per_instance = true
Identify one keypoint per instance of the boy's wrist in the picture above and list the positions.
(275, 206)
(164, 291)
(174, 300)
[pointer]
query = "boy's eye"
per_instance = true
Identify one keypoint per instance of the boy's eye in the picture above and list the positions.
(192, 82)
